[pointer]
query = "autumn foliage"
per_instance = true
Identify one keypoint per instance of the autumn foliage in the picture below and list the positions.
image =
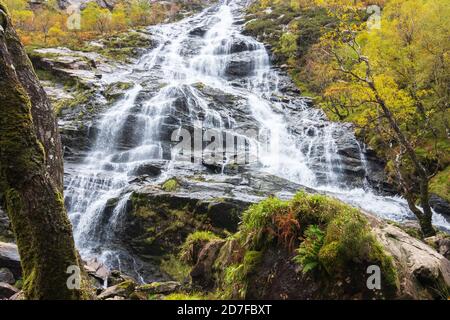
(48, 25)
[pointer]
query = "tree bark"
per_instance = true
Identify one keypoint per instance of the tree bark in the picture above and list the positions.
(424, 217)
(31, 180)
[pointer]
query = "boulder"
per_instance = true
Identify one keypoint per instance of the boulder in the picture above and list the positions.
(6, 276)
(97, 270)
(240, 65)
(202, 273)
(9, 258)
(7, 290)
(444, 247)
(421, 268)
(240, 45)
(159, 287)
(198, 32)
(441, 242)
(18, 296)
(123, 289)
(152, 169)
(116, 298)
(116, 90)
(116, 277)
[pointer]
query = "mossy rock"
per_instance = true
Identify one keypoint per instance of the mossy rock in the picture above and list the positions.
(170, 185)
(348, 248)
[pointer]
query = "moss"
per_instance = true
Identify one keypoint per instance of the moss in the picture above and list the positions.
(199, 85)
(175, 268)
(19, 284)
(123, 46)
(170, 185)
(116, 90)
(127, 287)
(256, 220)
(201, 236)
(440, 184)
(80, 98)
(161, 223)
(193, 244)
(236, 276)
(387, 265)
(188, 296)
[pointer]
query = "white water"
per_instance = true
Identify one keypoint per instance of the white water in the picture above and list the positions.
(179, 63)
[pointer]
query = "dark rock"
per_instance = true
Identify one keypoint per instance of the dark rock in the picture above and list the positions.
(129, 137)
(278, 277)
(444, 247)
(159, 287)
(241, 65)
(7, 291)
(9, 258)
(115, 277)
(6, 233)
(440, 205)
(63, 4)
(226, 213)
(123, 289)
(199, 31)
(116, 90)
(234, 45)
(7, 276)
(77, 141)
(202, 273)
(149, 169)
(441, 243)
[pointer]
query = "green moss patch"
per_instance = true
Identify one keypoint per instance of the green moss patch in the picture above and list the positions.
(440, 184)
(170, 185)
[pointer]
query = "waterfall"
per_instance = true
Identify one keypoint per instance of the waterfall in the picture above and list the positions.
(206, 50)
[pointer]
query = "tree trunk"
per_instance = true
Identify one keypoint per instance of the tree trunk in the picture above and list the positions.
(425, 217)
(31, 189)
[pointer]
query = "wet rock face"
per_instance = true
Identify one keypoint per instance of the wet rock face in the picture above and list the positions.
(6, 233)
(240, 65)
(199, 31)
(440, 205)
(9, 258)
(153, 169)
(156, 222)
(7, 276)
(159, 222)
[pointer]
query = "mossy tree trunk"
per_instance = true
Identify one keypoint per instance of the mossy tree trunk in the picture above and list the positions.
(31, 180)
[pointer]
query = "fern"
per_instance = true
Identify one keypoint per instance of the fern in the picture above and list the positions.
(308, 252)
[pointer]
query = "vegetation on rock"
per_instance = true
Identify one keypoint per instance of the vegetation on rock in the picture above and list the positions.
(333, 240)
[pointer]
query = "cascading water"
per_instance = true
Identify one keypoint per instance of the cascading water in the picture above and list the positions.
(206, 50)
